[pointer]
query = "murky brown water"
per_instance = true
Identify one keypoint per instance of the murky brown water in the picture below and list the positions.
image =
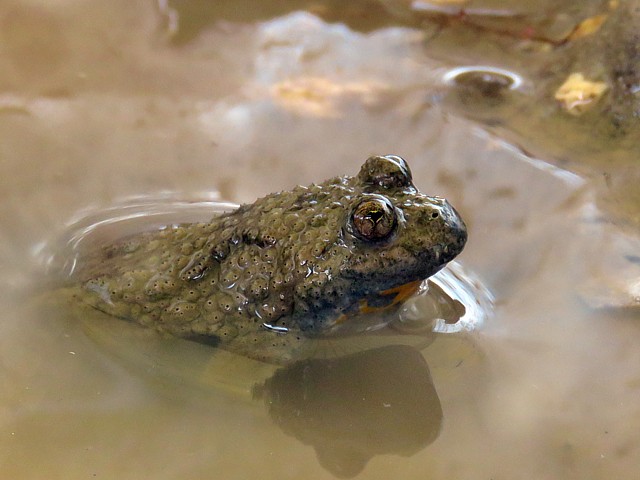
(101, 102)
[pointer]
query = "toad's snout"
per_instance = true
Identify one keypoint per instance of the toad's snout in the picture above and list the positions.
(455, 228)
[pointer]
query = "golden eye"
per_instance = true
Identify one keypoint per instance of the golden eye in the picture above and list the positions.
(374, 219)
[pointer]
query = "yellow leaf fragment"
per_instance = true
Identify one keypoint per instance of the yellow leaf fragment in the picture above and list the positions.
(588, 26)
(577, 94)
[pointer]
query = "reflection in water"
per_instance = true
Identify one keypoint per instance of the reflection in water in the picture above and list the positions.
(352, 408)
(185, 19)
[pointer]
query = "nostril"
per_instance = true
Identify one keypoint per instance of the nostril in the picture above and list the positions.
(435, 214)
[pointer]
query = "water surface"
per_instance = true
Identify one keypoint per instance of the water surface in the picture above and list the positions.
(103, 103)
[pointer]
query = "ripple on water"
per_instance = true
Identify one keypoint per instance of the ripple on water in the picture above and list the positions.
(461, 302)
(98, 227)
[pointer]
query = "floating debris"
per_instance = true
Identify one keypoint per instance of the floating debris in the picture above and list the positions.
(577, 94)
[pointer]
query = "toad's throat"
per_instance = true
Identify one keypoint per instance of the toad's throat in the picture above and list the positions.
(381, 301)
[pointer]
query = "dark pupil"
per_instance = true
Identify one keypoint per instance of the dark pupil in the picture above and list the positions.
(373, 220)
(376, 214)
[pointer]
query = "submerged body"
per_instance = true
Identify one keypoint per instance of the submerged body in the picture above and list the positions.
(291, 265)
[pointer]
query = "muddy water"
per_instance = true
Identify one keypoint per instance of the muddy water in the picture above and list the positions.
(104, 103)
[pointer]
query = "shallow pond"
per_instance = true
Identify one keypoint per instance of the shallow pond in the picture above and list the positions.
(114, 103)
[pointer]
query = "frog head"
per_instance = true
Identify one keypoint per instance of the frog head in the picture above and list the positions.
(391, 238)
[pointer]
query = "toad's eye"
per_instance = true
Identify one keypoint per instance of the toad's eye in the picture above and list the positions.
(374, 219)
